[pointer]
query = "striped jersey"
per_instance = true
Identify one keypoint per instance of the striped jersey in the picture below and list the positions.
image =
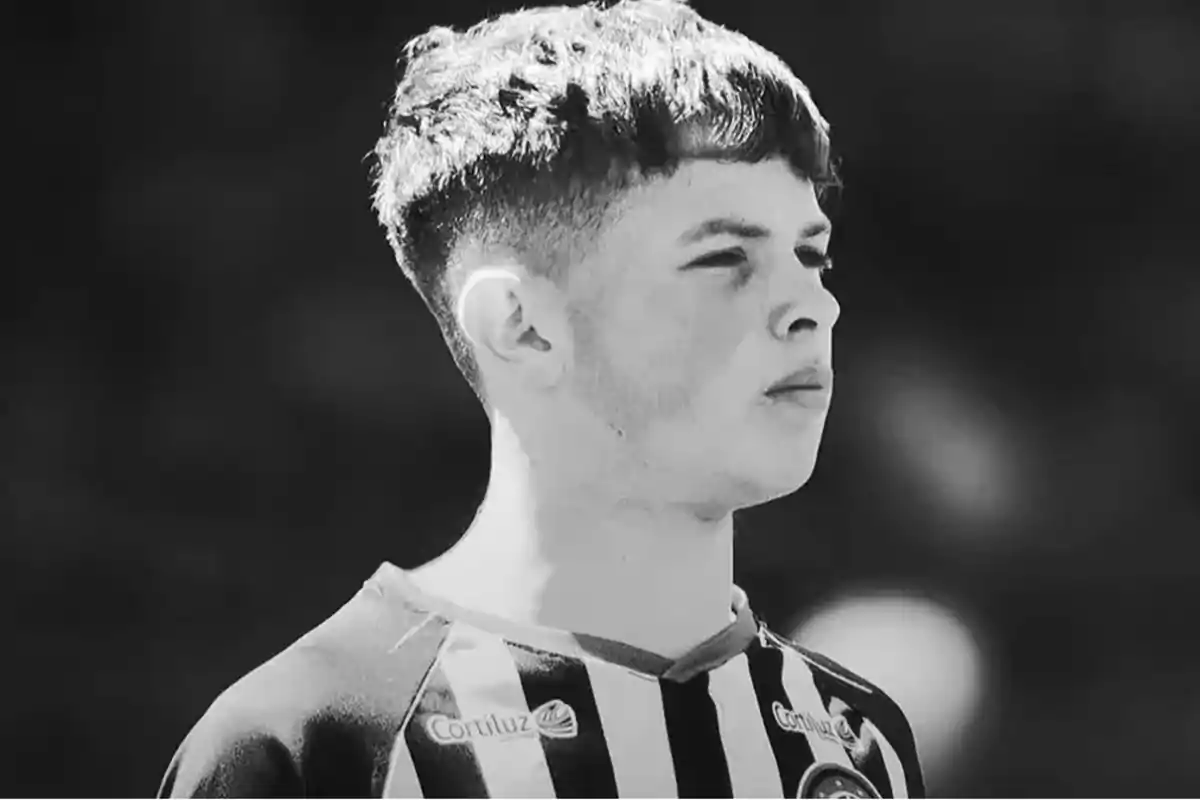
(401, 694)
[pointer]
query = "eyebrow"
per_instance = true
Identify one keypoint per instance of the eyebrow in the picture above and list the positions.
(743, 230)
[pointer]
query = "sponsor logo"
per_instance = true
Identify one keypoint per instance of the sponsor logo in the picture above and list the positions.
(834, 780)
(835, 730)
(844, 732)
(554, 719)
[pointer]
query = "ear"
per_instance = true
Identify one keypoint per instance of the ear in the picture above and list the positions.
(514, 319)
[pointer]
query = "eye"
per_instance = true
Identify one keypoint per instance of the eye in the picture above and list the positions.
(724, 258)
(734, 257)
(812, 257)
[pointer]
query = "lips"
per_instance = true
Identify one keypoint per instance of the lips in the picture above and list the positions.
(810, 378)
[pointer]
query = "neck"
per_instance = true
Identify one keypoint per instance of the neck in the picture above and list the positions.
(548, 548)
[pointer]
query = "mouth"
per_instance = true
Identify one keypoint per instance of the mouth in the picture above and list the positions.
(807, 390)
(786, 390)
(804, 398)
(809, 379)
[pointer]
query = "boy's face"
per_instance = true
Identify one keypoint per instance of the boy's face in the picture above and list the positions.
(677, 338)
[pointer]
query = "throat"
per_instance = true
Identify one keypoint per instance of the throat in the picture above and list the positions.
(664, 601)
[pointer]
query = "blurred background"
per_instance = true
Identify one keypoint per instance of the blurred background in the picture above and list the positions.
(224, 406)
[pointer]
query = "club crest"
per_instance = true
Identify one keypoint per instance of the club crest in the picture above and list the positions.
(834, 780)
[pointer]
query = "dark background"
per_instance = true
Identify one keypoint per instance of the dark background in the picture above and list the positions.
(224, 406)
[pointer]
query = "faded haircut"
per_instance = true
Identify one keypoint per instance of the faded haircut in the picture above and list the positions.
(523, 131)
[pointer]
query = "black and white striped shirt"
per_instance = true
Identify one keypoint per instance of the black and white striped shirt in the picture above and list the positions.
(402, 695)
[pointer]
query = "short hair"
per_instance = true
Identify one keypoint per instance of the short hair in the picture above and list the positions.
(523, 130)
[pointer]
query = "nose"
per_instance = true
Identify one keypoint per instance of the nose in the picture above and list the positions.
(807, 306)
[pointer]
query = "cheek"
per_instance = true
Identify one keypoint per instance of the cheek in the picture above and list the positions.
(672, 347)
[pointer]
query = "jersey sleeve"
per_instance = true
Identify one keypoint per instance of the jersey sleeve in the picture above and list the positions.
(320, 718)
(895, 732)
(889, 727)
(232, 764)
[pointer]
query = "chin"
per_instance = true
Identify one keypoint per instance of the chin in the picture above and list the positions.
(793, 484)
(781, 477)
(758, 486)
(748, 472)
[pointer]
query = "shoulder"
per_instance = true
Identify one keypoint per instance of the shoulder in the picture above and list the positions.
(826, 671)
(864, 705)
(831, 678)
(323, 709)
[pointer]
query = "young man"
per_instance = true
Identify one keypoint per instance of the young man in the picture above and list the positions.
(613, 214)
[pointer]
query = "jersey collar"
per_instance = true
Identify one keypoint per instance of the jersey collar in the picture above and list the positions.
(394, 583)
